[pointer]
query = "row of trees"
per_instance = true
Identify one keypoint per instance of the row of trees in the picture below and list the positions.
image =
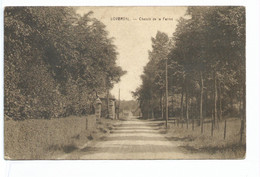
(55, 62)
(205, 59)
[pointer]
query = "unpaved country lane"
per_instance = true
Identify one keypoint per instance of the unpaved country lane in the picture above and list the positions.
(135, 139)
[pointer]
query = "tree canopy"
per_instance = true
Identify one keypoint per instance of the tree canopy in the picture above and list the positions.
(55, 61)
(206, 65)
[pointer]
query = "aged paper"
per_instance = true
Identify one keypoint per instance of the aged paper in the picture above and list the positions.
(120, 83)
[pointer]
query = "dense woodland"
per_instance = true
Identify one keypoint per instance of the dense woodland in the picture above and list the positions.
(55, 62)
(205, 60)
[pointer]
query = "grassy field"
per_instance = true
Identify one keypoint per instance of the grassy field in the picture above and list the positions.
(45, 139)
(195, 142)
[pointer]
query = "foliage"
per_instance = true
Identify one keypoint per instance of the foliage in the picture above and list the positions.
(153, 82)
(55, 61)
(208, 45)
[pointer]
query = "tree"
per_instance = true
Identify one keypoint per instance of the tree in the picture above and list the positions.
(54, 62)
(208, 43)
(152, 90)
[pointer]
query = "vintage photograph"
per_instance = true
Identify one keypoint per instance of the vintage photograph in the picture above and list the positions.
(124, 83)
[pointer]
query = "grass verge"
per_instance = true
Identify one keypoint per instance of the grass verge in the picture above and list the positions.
(47, 139)
(193, 141)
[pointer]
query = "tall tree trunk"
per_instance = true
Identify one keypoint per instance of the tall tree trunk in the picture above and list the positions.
(205, 102)
(201, 102)
(161, 100)
(151, 106)
(215, 100)
(107, 103)
(118, 114)
(197, 109)
(244, 112)
(172, 106)
(220, 101)
(182, 93)
(149, 109)
(166, 92)
(192, 113)
(240, 106)
(152, 113)
(212, 123)
(187, 107)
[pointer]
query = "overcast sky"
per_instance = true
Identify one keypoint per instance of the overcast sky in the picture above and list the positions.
(133, 37)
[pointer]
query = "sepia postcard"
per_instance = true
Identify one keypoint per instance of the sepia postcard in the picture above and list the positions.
(124, 83)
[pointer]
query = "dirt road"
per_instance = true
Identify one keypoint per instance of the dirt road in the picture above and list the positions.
(135, 139)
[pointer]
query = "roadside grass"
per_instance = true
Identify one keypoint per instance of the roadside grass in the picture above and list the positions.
(46, 139)
(194, 141)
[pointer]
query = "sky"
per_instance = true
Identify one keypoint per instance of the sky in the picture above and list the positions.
(133, 37)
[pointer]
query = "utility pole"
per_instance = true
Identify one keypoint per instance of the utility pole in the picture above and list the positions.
(166, 91)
